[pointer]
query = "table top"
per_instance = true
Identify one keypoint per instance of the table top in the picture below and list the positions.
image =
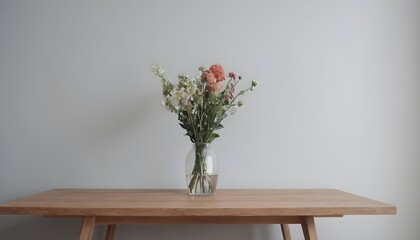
(173, 202)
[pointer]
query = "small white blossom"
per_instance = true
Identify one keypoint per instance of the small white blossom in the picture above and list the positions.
(160, 71)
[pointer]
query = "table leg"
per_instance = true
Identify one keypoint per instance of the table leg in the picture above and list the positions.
(88, 225)
(110, 231)
(285, 230)
(308, 227)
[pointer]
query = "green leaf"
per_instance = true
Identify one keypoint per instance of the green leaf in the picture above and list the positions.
(219, 126)
(212, 137)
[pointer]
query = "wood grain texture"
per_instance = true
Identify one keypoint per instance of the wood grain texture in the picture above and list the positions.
(199, 220)
(177, 203)
(88, 226)
(309, 230)
(110, 232)
(285, 230)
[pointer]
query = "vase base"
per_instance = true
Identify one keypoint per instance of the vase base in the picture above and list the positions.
(201, 185)
(201, 194)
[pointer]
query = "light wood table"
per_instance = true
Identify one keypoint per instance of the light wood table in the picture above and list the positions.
(226, 206)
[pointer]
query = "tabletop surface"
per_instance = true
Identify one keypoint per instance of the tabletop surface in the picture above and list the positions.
(173, 202)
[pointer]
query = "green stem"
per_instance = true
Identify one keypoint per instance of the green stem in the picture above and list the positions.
(199, 173)
(191, 120)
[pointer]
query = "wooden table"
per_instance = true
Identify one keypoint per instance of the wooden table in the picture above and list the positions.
(226, 206)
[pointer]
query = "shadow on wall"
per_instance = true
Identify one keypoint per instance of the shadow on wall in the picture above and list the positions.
(192, 231)
(38, 228)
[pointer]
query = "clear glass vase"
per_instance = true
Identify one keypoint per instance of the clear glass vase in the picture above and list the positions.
(201, 170)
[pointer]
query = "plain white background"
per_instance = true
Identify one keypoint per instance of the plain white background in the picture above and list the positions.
(338, 105)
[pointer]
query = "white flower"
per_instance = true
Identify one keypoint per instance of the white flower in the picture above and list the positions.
(174, 98)
(183, 100)
(160, 71)
(180, 98)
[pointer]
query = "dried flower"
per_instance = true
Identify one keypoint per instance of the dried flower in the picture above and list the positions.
(218, 72)
(230, 93)
(215, 87)
(232, 75)
(209, 77)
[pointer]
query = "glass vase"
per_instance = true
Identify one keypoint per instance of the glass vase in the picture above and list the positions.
(201, 170)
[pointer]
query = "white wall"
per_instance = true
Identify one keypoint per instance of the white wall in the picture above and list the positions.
(338, 105)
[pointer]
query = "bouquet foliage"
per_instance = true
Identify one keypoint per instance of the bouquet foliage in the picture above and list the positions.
(201, 103)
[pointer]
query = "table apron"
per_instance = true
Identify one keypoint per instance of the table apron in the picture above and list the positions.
(204, 220)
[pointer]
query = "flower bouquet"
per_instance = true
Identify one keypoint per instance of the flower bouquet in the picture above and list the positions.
(201, 103)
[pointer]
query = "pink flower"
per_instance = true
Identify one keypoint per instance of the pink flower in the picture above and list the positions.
(215, 87)
(218, 72)
(209, 76)
(232, 75)
(230, 93)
